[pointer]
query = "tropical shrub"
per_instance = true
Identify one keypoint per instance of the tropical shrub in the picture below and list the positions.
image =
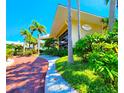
(34, 51)
(50, 51)
(82, 77)
(62, 52)
(100, 51)
(84, 45)
(18, 50)
(103, 42)
(9, 53)
(56, 52)
(28, 53)
(50, 43)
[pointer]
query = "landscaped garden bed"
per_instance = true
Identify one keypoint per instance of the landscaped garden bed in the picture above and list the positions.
(82, 77)
(95, 67)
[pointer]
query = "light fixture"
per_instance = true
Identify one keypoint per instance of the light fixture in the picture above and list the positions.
(86, 27)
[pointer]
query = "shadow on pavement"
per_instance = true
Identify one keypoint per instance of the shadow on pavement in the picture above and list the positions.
(27, 75)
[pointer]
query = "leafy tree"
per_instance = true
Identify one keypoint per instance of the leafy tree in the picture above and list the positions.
(27, 35)
(28, 38)
(35, 26)
(33, 41)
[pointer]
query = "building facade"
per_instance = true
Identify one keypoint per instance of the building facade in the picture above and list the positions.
(89, 24)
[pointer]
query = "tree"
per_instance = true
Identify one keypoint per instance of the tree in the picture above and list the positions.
(27, 36)
(33, 41)
(78, 14)
(37, 27)
(111, 13)
(40, 29)
(70, 50)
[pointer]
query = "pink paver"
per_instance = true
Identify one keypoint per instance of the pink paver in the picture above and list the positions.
(26, 75)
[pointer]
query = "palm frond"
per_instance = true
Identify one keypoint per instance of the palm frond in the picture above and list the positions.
(107, 1)
(38, 27)
(32, 28)
(26, 34)
(42, 29)
(23, 32)
(33, 40)
(35, 23)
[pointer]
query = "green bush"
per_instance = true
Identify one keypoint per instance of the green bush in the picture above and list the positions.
(50, 43)
(28, 53)
(34, 51)
(41, 51)
(51, 51)
(82, 77)
(100, 51)
(17, 49)
(84, 45)
(18, 53)
(55, 52)
(62, 52)
(9, 53)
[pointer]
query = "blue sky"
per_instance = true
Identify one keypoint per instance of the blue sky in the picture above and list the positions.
(21, 13)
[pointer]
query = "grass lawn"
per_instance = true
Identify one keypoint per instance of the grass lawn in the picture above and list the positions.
(82, 77)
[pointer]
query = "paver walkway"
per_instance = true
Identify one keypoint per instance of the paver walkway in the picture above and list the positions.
(54, 83)
(26, 75)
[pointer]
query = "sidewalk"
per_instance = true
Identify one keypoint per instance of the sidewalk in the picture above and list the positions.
(54, 83)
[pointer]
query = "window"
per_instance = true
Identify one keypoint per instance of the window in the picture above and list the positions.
(63, 40)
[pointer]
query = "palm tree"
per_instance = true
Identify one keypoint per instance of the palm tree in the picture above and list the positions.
(33, 41)
(27, 37)
(111, 13)
(70, 51)
(40, 29)
(37, 27)
(78, 14)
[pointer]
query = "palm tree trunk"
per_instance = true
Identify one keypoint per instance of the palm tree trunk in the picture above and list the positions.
(70, 51)
(24, 47)
(33, 47)
(78, 14)
(29, 45)
(38, 44)
(112, 13)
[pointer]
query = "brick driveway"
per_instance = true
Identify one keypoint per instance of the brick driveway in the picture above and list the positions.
(26, 75)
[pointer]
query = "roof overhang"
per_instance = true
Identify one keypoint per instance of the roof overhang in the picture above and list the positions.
(44, 37)
(61, 17)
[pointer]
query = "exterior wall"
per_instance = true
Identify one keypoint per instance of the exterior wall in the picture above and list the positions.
(95, 28)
